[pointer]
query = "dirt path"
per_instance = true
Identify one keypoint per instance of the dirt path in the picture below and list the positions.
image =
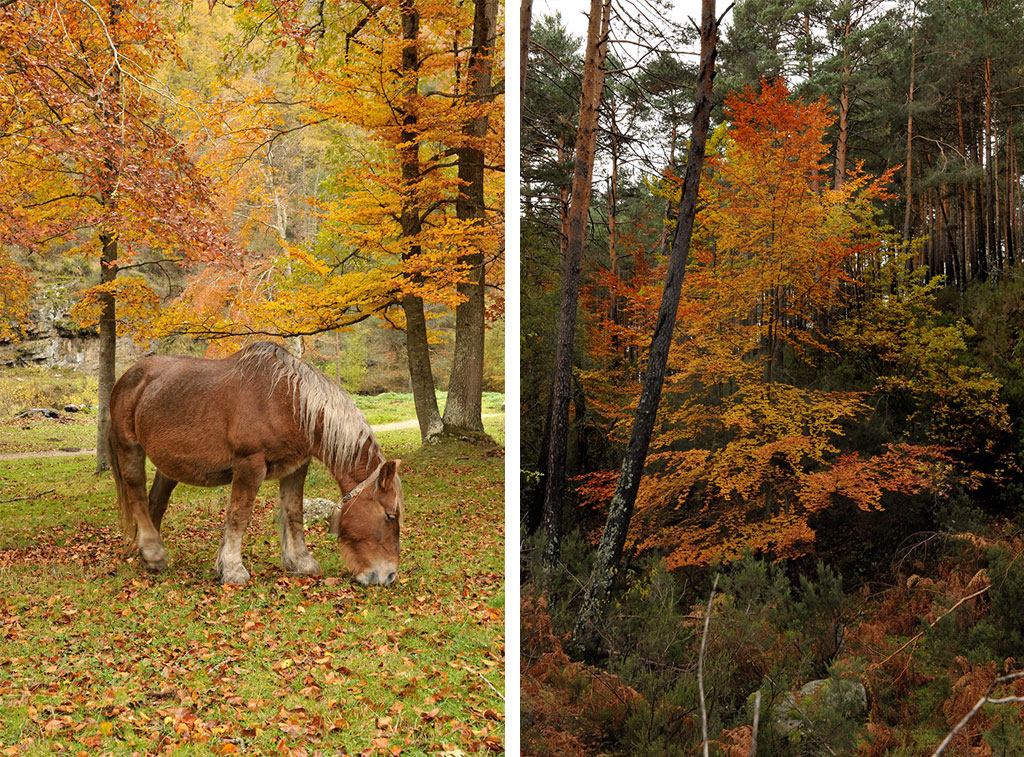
(396, 426)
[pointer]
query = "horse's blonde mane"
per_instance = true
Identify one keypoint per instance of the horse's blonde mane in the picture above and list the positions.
(345, 429)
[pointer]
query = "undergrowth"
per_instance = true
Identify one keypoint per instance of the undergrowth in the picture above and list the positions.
(882, 669)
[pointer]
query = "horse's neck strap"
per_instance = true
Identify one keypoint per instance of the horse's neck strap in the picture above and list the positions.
(360, 486)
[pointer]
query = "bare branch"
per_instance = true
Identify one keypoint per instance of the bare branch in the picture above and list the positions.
(977, 706)
(700, 669)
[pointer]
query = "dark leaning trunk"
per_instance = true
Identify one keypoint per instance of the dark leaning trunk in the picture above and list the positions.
(108, 347)
(585, 636)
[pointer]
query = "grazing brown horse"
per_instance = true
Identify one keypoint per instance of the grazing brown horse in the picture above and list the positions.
(257, 414)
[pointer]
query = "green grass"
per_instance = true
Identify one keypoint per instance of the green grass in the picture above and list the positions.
(98, 656)
(26, 387)
(389, 407)
(39, 434)
(79, 430)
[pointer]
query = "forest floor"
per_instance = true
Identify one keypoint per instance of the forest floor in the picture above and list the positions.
(930, 644)
(98, 656)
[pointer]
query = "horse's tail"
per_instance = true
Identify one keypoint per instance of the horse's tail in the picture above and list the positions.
(126, 516)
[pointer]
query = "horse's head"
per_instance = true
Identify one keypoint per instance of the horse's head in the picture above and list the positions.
(367, 523)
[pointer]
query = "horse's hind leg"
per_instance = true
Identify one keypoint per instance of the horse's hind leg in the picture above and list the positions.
(159, 495)
(132, 463)
(295, 557)
(246, 477)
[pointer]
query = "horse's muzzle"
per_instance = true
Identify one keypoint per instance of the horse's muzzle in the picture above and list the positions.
(383, 576)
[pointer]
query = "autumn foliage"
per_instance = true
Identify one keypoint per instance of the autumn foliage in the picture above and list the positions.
(383, 214)
(83, 145)
(190, 175)
(784, 276)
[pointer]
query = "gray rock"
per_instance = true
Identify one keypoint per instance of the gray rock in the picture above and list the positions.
(790, 715)
(316, 509)
(849, 696)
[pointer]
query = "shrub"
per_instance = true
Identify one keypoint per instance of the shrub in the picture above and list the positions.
(25, 388)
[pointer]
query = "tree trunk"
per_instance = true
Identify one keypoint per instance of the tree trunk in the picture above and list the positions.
(991, 246)
(666, 240)
(844, 109)
(465, 386)
(980, 222)
(416, 345)
(525, 21)
(965, 233)
(108, 254)
(579, 206)
(613, 249)
(420, 375)
(910, 130)
(1011, 250)
(1013, 197)
(585, 632)
(532, 510)
(108, 346)
(844, 132)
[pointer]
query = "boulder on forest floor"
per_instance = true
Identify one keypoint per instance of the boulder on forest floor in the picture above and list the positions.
(827, 710)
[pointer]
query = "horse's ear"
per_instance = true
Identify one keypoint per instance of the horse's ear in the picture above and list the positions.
(335, 521)
(387, 474)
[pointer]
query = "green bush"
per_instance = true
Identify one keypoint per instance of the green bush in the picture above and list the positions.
(1007, 596)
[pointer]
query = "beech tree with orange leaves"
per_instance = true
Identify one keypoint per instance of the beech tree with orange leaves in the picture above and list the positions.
(744, 454)
(86, 161)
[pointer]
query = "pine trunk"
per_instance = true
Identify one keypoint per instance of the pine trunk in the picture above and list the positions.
(613, 249)
(525, 21)
(990, 198)
(579, 206)
(844, 109)
(910, 130)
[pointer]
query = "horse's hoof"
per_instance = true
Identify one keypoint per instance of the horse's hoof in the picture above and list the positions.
(238, 576)
(304, 566)
(156, 561)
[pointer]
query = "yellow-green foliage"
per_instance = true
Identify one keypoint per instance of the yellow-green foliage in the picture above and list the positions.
(24, 388)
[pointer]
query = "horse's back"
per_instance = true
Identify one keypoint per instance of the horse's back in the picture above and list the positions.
(195, 417)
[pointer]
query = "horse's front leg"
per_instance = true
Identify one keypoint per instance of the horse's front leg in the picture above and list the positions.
(246, 478)
(295, 557)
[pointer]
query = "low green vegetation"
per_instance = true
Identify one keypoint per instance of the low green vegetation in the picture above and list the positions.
(389, 407)
(39, 434)
(97, 656)
(25, 387)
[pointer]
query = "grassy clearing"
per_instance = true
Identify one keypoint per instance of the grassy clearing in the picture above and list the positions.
(78, 430)
(97, 656)
(389, 407)
(40, 434)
